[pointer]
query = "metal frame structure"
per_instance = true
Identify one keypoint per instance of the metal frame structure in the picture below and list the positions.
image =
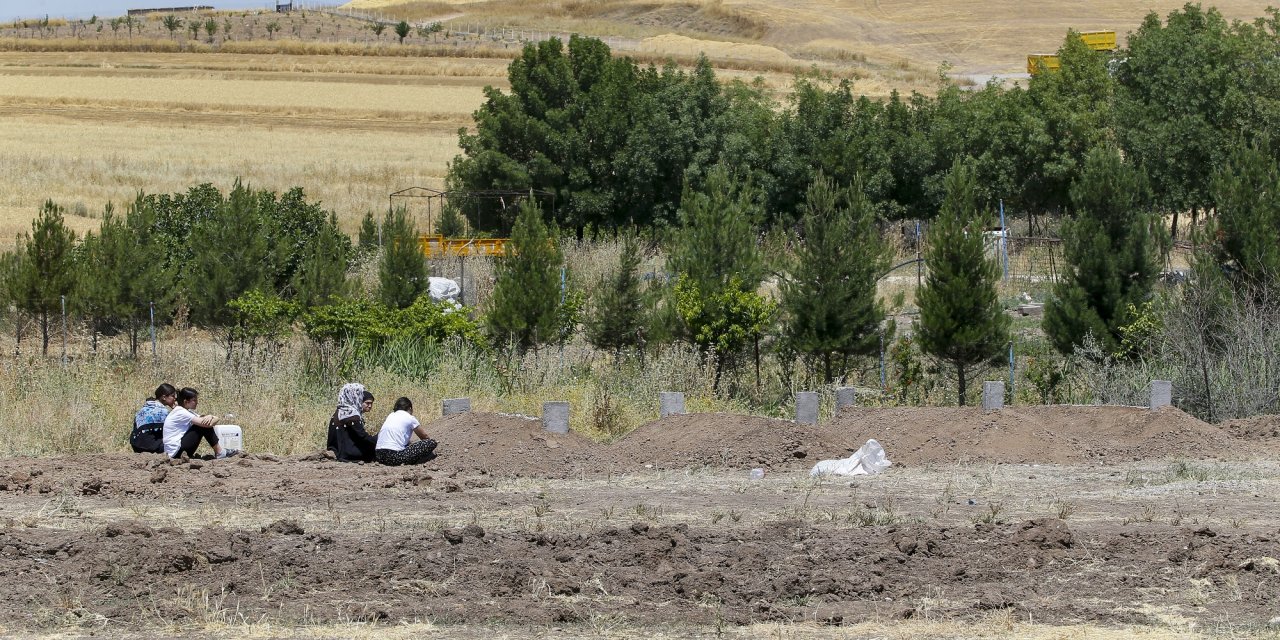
(436, 198)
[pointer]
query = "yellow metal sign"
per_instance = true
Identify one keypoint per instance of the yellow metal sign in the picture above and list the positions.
(437, 246)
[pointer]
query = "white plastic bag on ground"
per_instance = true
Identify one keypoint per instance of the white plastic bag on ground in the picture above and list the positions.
(441, 289)
(867, 460)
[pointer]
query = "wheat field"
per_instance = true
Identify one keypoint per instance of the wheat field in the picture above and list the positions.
(88, 135)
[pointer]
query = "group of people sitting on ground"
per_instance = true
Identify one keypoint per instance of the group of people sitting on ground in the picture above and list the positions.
(167, 423)
(350, 441)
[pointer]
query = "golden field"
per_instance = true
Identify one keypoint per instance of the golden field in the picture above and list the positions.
(89, 127)
(161, 123)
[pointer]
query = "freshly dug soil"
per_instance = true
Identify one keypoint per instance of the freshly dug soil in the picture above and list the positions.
(1040, 434)
(723, 440)
(134, 575)
(1255, 428)
(506, 445)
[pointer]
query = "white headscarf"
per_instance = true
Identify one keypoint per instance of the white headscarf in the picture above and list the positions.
(349, 399)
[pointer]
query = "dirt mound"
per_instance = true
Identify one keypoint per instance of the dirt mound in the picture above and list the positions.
(506, 445)
(778, 571)
(1256, 427)
(1041, 434)
(724, 440)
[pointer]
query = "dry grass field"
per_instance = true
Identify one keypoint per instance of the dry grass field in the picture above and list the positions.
(87, 129)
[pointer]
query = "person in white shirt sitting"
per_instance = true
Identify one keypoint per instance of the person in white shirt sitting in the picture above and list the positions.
(393, 447)
(184, 428)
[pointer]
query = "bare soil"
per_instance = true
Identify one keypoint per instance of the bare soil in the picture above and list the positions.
(1049, 519)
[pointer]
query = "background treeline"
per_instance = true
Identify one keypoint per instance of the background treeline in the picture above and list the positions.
(618, 143)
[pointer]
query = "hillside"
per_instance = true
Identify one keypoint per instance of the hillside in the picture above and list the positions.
(973, 36)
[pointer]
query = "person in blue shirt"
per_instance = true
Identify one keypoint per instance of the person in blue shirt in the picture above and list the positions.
(148, 423)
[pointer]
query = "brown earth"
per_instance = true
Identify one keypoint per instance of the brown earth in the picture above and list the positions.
(511, 527)
(1257, 427)
(1041, 434)
(133, 574)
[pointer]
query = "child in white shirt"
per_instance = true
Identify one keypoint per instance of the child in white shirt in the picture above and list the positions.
(393, 447)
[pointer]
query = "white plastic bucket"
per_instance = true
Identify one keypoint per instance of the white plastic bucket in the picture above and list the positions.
(230, 436)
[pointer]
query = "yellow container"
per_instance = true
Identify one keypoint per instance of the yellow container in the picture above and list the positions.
(1099, 40)
(1045, 61)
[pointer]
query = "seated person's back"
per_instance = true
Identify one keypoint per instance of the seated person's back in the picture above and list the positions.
(394, 447)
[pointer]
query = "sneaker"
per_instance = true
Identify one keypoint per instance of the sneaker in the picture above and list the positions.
(228, 453)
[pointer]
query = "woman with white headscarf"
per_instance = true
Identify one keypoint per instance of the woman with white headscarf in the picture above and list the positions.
(348, 439)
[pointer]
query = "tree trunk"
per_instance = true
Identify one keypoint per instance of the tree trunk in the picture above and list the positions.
(44, 333)
(826, 366)
(963, 388)
(1173, 232)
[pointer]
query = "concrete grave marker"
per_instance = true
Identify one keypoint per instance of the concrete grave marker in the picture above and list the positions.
(555, 417)
(992, 396)
(453, 406)
(1161, 394)
(670, 403)
(807, 407)
(846, 397)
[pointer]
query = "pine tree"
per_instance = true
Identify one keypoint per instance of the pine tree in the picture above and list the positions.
(402, 274)
(830, 297)
(11, 268)
(146, 281)
(368, 232)
(323, 272)
(618, 319)
(451, 223)
(1111, 255)
(49, 271)
(961, 322)
(524, 309)
(717, 240)
(230, 256)
(98, 277)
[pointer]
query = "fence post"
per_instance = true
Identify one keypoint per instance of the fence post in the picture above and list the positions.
(883, 387)
(919, 260)
(1011, 369)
